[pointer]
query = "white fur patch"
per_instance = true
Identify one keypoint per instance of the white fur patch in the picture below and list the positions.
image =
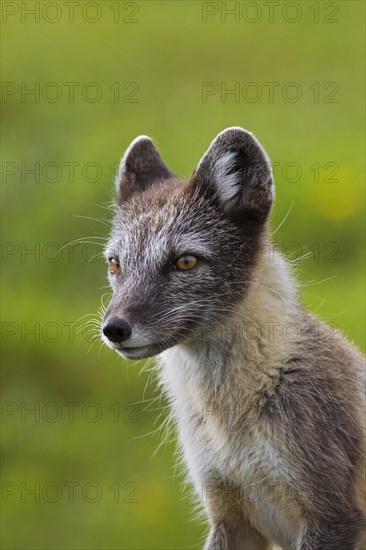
(226, 181)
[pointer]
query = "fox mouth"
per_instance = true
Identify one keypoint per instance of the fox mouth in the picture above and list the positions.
(141, 352)
(145, 350)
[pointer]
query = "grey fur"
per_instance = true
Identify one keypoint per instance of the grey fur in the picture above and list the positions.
(256, 409)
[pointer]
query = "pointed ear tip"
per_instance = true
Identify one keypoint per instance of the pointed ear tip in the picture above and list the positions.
(137, 140)
(142, 137)
(227, 135)
(237, 134)
(238, 130)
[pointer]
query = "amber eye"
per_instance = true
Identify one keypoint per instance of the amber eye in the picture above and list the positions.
(114, 266)
(186, 262)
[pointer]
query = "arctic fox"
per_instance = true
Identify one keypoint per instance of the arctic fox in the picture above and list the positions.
(269, 402)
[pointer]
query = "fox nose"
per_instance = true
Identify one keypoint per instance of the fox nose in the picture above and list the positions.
(117, 330)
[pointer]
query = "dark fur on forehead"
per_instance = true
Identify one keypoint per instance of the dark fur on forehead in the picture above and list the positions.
(161, 192)
(140, 167)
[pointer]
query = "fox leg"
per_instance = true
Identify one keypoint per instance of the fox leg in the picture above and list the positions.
(222, 536)
(230, 530)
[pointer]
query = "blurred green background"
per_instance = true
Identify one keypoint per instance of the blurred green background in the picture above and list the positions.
(87, 451)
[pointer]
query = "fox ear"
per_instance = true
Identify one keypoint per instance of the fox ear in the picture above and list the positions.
(140, 166)
(237, 171)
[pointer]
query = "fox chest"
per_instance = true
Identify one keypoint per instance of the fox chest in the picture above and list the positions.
(216, 447)
(239, 453)
(249, 462)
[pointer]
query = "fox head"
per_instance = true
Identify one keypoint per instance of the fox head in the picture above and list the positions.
(181, 252)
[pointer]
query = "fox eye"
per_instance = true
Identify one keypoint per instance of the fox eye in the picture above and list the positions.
(186, 262)
(114, 266)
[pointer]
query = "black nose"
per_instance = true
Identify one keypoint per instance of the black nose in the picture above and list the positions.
(117, 330)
